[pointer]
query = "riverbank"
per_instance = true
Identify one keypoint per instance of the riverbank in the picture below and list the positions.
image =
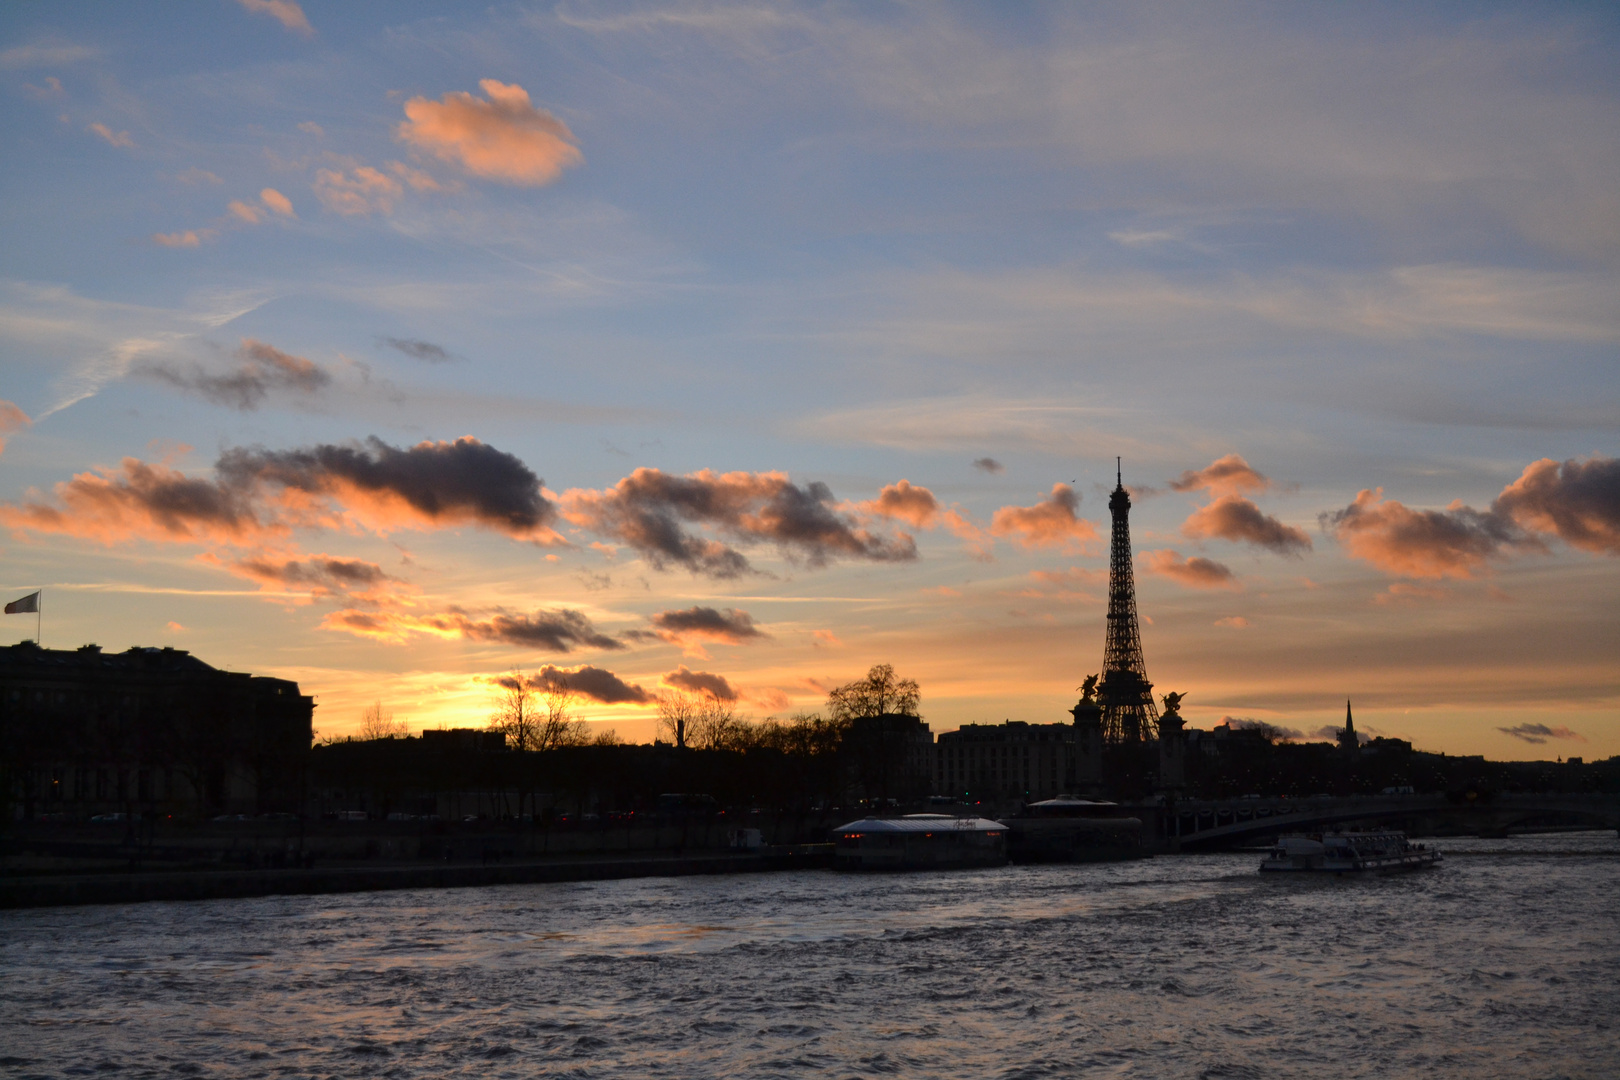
(130, 887)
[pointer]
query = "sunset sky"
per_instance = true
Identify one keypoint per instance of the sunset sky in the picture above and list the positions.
(394, 347)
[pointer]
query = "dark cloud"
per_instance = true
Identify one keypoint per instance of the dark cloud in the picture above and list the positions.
(1232, 517)
(437, 482)
(554, 631)
(731, 627)
(701, 682)
(989, 465)
(262, 369)
(1578, 501)
(1540, 733)
(318, 574)
(596, 683)
(425, 351)
(649, 509)
(1223, 476)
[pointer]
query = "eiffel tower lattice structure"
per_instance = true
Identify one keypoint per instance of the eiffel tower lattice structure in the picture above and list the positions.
(1125, 695)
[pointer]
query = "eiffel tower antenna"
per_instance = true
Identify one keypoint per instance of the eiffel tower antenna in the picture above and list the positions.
(1126, 696)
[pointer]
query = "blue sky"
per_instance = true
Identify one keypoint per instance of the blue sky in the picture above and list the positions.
(1361, 249)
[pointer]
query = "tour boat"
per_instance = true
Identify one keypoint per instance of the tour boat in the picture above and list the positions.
(1348, 853)
(920, 842)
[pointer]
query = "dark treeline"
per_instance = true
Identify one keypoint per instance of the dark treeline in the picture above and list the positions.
(542, 764)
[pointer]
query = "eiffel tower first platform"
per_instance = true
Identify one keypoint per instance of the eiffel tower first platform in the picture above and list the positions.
(1124, 694)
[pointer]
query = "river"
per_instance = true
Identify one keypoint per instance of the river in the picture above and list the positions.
(1502, 962)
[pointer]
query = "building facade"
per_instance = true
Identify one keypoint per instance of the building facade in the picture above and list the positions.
(1013, 760)
(146, 731)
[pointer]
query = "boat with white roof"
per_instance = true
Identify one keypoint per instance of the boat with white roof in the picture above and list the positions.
(1369, 852)
(919, 842)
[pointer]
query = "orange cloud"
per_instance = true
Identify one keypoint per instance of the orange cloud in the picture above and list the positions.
(1578, 501)
(1229, 475)
(286, 12)
(120, 138)
(917, 506)
(1072, 576)
(914, 505)
(277, 202)
(365, 191)
(190, 238)
(147, 501)
(827, 638)
(419, 180)
(1401, 592)
(1052, 522)
(1454, 543)
(1232, 517)
(11, 419)
(1233, 622)
(1196, 571)
(504, 138)
(250, 214)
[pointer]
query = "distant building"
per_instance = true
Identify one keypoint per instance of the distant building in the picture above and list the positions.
(1013, 760)
(462, 740)
(890, 755)
(146, 730)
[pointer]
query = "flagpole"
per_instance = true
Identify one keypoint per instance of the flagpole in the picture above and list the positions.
(39, 616)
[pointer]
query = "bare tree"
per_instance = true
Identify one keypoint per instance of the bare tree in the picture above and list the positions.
(716, 725)
(676, 711)
(559, 725)
(516, 714)
(880, 693)
(378, 723)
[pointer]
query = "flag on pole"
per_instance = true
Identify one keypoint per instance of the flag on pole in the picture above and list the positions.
(28, 605)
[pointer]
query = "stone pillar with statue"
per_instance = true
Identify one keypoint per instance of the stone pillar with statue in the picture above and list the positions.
(1088, 741)
(1172, 747)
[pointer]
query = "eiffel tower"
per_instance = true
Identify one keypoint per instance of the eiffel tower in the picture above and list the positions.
(1126, 696)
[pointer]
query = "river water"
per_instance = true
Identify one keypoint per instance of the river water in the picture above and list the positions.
(1500, 963)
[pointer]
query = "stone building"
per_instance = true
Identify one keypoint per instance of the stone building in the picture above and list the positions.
(1013, 760)
(145, 731)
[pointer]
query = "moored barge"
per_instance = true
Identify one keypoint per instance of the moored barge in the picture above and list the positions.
(920, 842)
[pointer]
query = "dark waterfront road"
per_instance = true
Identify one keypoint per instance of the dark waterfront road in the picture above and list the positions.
(1498, 966)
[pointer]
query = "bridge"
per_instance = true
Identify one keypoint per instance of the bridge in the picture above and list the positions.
(1194, 825)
